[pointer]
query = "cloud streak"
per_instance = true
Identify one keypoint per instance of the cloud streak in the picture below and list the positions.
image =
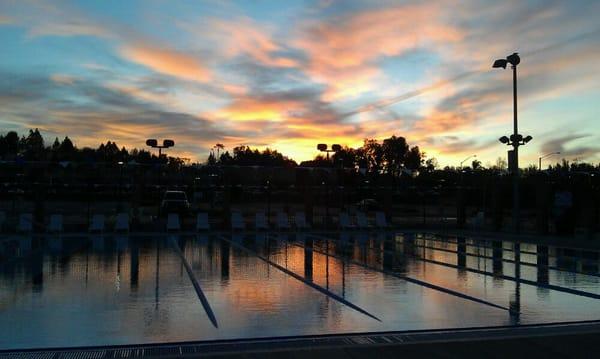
(290, 77)
(167, 61)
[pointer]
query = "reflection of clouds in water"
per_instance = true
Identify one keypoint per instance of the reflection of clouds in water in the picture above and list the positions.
(109, 307)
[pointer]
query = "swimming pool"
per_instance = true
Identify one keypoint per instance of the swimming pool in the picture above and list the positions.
(109, 290)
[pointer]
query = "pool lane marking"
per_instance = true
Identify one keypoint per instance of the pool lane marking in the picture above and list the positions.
(527, 264)
(579, 258)
(501, 276)
(469, 237)
(408, 279)
(301, 279)
(519, 280)
(195, 283)
(514, 279)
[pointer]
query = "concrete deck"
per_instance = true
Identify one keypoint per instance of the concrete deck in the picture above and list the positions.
(565, 340)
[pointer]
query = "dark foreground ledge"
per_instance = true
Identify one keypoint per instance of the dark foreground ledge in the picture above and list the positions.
(571, 340)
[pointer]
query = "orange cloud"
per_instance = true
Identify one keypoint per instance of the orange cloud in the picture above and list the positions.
(5, 20)
(168, 62)
(257, 109)
(442, 122)
(62, 79)
(346, 49)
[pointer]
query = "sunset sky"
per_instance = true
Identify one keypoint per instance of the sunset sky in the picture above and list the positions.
(291, 74)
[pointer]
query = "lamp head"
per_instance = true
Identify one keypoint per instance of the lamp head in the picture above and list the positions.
(500, 63)
(168, 143)
(503, 139)
(336, 147)
(151, 142)
(322, 147)
(514, 59)
(527, 139)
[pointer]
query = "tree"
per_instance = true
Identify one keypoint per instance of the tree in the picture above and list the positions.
(501, 164)
(414, 158)
(346, 157)
(431, 164)
(211, 161)
(55, 145)
(34, 145)
(394, 152)
(373, 153)
(219, 147)
(318, 161)
(12, 142)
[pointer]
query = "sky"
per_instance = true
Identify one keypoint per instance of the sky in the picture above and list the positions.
(291, 74)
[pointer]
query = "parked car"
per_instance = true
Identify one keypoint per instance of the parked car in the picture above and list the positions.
(368, 204)
(174, 202)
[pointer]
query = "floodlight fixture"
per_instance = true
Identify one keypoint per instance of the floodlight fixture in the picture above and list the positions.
(500, 63)
(168, 143)
(514, 59)
(151, 142)
(323, 148)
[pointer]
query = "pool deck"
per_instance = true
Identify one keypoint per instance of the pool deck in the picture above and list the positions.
(565, 340)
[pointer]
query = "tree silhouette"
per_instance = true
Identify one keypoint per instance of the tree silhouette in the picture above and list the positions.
(394, 151)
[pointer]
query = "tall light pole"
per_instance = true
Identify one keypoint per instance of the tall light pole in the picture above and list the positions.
(323, 148)
(544, 156)
(154, 144)
(515, 139)
(121, 164)
(466, 159)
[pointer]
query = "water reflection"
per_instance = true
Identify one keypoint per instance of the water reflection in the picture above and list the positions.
(497, 255)
(116, 290)
(134, 264)
(515, 303)
(308, 259)
(542, 264)
(225, 253)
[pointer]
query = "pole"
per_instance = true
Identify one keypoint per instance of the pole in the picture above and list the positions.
(515, 143)
(540, 164)
(268, 202)
(120, 185)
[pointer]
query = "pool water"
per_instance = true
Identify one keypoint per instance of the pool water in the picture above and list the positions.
(110, 290)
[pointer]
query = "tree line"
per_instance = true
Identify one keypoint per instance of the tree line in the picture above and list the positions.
(391, 156)
(33, 148)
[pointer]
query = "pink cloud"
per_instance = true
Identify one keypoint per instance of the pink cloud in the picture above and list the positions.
(167, 61)
(345, 50)
(243, 37)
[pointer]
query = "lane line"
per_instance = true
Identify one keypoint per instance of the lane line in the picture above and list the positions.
(408, 279)
(301, 279)
(557, 257)
(190, 272)
(501, 276)
(527, 264)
